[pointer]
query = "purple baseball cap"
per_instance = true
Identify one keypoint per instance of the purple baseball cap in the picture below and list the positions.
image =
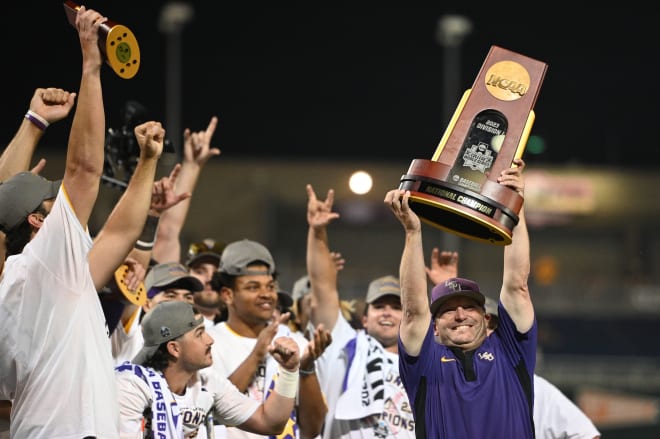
(454, 287)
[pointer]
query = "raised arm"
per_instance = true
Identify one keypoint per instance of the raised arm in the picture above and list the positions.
(196, 152)
(515, 296)
(163, 197)
(84, 160)
(124, 225)
(412, 274)
(49, 104)
(321, 266)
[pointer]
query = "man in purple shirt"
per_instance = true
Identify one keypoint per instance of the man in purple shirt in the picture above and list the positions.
(462, 383)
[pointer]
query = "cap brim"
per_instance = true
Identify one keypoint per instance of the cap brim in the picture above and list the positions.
(144, 355)
(478, 297)
(205, 257)
(381, 295)
(185, 282)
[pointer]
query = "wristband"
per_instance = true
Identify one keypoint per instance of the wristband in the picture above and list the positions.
(146, 240)
(287, 383)
(307, 372)
(37, 120)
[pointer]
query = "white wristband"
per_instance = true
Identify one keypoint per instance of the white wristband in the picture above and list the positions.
(287, 383)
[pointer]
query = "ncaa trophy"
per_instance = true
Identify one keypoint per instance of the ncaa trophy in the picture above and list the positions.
(457, 190)
(118, 44)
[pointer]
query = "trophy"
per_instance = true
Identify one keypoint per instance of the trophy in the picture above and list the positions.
(457, 190)
(118, 288)
(118, 44)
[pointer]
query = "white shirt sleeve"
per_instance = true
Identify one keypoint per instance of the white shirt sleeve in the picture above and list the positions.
(134, 398)
(556, 416)
(230, 406)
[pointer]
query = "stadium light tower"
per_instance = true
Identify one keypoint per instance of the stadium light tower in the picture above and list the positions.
(450, 33)
(173, 17)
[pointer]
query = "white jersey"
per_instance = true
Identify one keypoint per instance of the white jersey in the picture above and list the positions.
(556, 416)
(229, 351)
(362, 404)
(208, 394)
(55, 360)
(127, 344)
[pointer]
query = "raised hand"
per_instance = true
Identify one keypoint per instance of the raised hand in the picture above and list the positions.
(512, 177)
(135, 274)
(163, 195)
(320, 340)
(88, 22)
(444, 265)
(397, 200)
(150, 137)
(53, 104)
(265, 338)
(319, 212)
(197, 146)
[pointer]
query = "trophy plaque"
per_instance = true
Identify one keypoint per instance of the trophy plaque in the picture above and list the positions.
(457, 190)
(118, 44)
(120, 291)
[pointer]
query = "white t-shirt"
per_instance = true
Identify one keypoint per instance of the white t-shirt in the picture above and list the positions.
(209, 392)
(230, 350)
(55, 360)
(556, 416)
(126, 345)
(394, 420)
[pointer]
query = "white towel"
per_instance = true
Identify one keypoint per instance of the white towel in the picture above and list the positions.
(364, 393)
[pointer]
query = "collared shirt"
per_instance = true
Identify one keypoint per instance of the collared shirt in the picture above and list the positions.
(485, 393)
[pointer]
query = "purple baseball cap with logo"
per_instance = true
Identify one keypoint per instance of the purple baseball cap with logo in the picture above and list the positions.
(455, 287)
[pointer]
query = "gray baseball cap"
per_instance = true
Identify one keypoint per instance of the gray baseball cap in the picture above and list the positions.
(21, 195)
(301, 288)
(383, 286)
(165, 322)
(171, 275)
(238, 255)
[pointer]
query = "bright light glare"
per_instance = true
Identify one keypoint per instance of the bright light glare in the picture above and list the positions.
(360, 182)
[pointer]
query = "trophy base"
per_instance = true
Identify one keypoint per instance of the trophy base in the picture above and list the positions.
(488, 216)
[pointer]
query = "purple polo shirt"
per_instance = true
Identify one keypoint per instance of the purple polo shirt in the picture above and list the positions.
(485, 393)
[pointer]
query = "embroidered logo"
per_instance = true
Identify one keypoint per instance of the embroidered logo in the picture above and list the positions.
(447, 360)
(165, 332)
(486, 356)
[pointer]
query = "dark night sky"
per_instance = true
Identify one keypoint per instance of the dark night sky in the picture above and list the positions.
(353, 81)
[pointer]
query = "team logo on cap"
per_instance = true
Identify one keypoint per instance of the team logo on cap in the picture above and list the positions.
(165, 332)
(453, 285)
